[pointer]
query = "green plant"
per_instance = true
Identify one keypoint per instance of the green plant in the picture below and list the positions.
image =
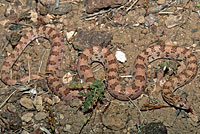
(76, 86)
(169, 66)
(198, 5)
(93, 95)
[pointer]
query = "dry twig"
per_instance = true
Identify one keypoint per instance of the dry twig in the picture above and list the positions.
(6, 100)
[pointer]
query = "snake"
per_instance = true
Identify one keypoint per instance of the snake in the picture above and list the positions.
(110, 63)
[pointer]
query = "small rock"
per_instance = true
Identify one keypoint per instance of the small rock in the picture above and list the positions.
(48, 2)
(40, 116)
(169, 42)
(119, 19)
(161, 2)
(120, 56)
(194, 45)
(67, 127)
(175, 43)
(52, 101)
(86, 39)
(40, 131)
(27, 117)
(96, 5)
(149, 20)
(65, 21)
(38, 103)
(27, 103)
(61, 116)
(48, 100)
(25, 132)
(3, 22)
(12, 107)
(63, 8)
(67, 78)
(154, 128)
(75, 103)
(70, 34)
(34, 16)
(116, 116)
(172, 21)
(56, 99)
(124, 131)
(141, 19)
(195, 34)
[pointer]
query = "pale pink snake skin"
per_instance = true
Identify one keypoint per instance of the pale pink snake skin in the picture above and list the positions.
(106, 57)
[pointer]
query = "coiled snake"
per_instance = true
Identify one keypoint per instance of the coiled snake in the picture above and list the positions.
(106, 57)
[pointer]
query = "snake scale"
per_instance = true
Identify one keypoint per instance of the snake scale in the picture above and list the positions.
(107, 58)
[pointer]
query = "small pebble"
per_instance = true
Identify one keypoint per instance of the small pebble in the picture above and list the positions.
(68, 77)
(61, 116)
(149, 20)
(48, 100)
(38, 103)
(25, 132)
(27, 103)
(141, 19)
(161, 2)
(27, 117)
(34, 16)
(67, 127)
(194, 45)
(40, 116)
(120, 56)
(169, 42)
(172, 21)
(70, 34)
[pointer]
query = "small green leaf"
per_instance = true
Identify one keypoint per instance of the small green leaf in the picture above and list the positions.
(52, 128)
(81, 93)
(85, 120)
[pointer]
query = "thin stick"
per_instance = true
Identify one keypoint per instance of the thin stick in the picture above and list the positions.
(139, 112)
(135, 106)
(131, 5)
(95, 14)
(124, 4)
(162, 12)
(2, 104)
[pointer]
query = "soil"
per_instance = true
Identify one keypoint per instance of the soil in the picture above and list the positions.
(130, 28)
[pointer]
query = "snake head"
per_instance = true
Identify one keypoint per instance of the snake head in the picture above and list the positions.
(182, 103)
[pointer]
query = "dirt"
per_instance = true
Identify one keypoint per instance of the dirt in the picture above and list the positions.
(131, 27)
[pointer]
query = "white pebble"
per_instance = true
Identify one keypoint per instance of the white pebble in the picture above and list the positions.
(120, 56)
(70, 34)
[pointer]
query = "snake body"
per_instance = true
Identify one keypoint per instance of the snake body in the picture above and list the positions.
(107, 58)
